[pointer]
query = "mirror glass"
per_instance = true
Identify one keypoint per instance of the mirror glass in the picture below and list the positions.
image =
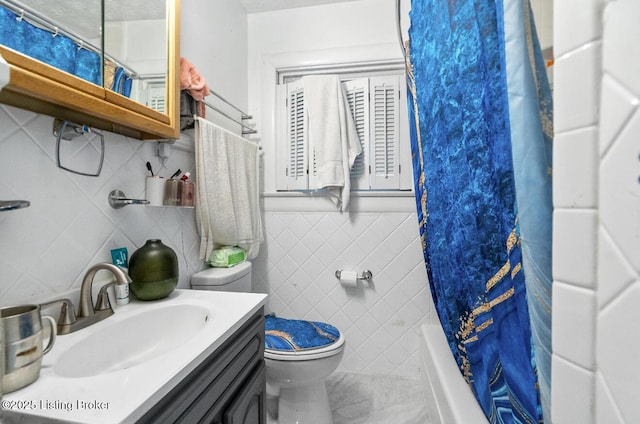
(68, 34)
(65, 34)
(136, 50)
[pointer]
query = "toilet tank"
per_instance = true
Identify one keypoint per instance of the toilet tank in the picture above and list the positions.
(236, 278)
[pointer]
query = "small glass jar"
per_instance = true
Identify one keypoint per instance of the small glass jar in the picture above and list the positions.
(188, 194)
(172, 193)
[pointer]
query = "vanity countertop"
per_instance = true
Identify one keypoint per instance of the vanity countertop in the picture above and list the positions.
(124, 393)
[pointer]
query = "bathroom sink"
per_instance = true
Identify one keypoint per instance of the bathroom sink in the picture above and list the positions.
(114, 371)
(123, 344)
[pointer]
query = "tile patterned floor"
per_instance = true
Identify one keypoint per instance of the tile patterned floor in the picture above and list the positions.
(373, 399)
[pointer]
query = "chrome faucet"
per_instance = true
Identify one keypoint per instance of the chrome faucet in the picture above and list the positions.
(86, 303)
(87, 314)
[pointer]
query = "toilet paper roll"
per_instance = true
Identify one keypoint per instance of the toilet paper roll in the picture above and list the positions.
(154, 187)
(349, 278)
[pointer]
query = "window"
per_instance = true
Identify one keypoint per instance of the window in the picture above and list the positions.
(377, 101)
(151, 92)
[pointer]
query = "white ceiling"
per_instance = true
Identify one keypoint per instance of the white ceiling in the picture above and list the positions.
(65, 12)
(114, 10)
(256, 6)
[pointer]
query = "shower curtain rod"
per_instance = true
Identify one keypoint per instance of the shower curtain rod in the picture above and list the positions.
(245, 129)
(24, 12)
(399, 29)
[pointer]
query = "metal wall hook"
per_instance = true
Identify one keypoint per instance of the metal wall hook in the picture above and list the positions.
(117, 200)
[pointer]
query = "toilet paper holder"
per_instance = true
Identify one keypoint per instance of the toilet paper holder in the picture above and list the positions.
(364, 275)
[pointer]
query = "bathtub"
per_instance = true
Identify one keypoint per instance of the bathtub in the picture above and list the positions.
(447, 394)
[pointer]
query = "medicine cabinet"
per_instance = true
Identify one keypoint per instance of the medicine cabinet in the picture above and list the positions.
(120, 74)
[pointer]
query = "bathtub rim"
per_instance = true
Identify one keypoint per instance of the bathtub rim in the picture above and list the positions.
(454, 401)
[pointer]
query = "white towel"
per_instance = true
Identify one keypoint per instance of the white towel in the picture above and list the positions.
(227, 183)
(332, 135)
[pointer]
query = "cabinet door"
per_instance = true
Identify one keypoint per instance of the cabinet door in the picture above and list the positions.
(249, 405)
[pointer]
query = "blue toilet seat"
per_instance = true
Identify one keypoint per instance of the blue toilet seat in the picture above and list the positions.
(298, 338)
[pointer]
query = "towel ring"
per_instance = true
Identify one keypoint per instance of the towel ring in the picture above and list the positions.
(68, 131)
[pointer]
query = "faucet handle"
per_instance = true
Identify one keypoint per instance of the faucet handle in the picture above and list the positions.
(67, 311)
(102, 302)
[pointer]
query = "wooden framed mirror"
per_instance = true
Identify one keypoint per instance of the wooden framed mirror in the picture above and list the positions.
(96, 101)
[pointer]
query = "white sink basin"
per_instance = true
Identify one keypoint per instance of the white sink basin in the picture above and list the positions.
(138, 338)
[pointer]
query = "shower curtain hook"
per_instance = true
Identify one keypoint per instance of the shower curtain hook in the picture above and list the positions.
(21, 17)
(55, 34)
(80, 45)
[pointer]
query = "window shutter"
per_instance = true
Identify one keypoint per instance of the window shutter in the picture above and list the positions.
(385, 131)
(156, 93)
(357, 92)
(297, 169)
(377, 105)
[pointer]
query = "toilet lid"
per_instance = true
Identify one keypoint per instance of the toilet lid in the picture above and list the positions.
(298, 336)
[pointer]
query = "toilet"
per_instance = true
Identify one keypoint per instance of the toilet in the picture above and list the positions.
(299, 355)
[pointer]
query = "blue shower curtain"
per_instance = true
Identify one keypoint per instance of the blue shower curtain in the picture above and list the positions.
(481, 143)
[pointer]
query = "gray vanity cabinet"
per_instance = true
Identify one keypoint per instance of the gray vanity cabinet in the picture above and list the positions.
(249, 405)
(228, 387)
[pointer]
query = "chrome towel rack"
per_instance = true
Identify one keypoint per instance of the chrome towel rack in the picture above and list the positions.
(246, 129)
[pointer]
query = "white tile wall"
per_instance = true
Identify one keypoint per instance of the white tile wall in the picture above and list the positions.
(576, 95)
(572, 393)
(616, 106)
(574, 318)
(617, 346)
(576, 23)
(620, 190)
(574, 237)
(617, 349)
(577, 75)
(575, 179)
(615, 273)
(606, 411)
(46, 248)
(592, 44)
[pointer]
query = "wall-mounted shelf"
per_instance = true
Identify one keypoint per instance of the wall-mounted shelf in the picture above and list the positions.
(117, 200)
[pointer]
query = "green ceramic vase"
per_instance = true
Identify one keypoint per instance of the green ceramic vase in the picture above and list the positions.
(153, 270)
